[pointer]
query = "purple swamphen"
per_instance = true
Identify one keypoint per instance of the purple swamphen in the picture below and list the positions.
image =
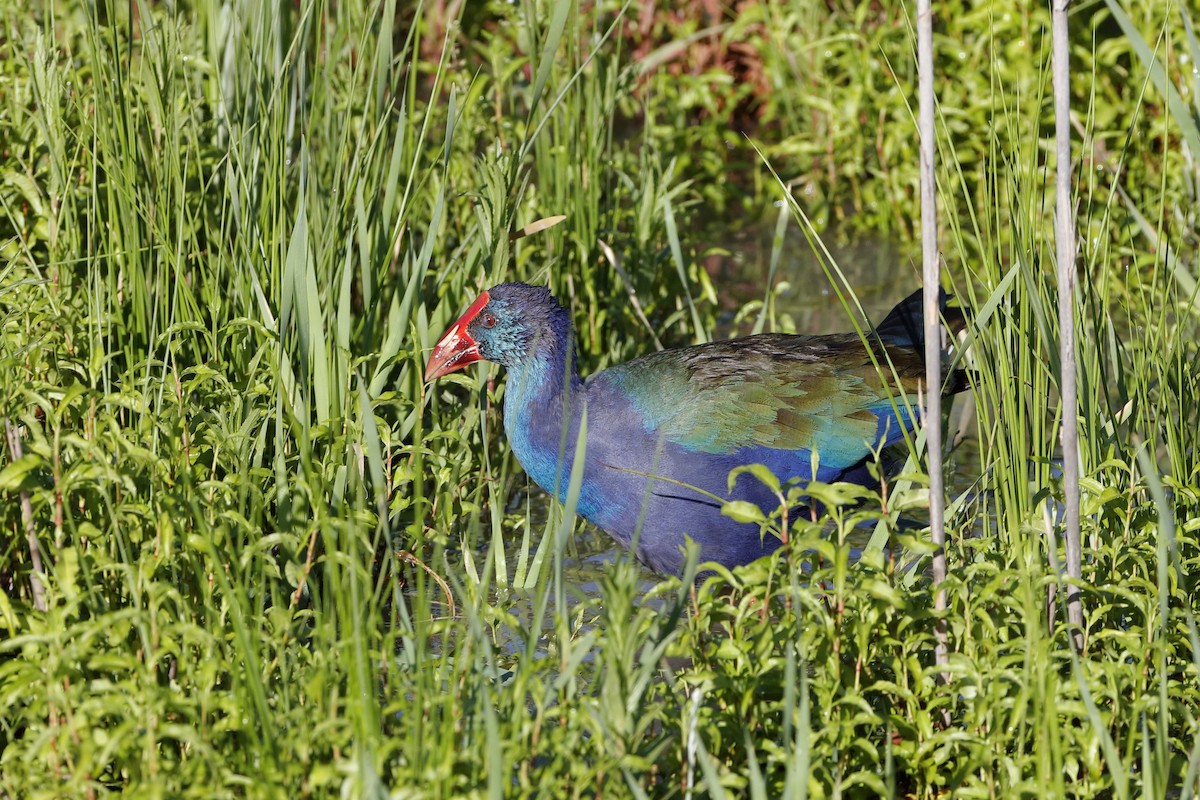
(663, 431)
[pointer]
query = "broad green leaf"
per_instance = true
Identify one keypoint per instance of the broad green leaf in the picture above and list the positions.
(743, 511)
(18, 475)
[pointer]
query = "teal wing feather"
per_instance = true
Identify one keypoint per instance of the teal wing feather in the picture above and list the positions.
(771, 391)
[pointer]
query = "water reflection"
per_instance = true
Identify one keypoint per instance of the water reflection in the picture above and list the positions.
(880, 270)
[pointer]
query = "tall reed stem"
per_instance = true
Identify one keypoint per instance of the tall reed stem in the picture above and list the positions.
(1065, 239)
(15, 452)
(931, 270)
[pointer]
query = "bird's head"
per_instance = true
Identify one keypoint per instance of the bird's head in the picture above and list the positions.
(506, 324)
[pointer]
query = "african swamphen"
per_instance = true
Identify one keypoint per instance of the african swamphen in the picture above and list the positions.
(667, 424)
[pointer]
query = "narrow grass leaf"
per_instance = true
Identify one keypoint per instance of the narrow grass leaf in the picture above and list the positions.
(544, 224)
(698, 330)
(777, 245)
(371, 441)
(558, 21)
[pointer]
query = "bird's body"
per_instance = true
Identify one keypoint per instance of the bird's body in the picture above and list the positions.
(664, 431)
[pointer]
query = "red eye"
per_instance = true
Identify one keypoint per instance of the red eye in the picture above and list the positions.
(489, 321)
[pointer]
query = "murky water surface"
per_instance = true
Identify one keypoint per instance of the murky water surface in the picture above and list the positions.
(881, 272)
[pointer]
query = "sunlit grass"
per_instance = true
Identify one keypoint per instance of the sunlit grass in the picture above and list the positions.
(277, 564)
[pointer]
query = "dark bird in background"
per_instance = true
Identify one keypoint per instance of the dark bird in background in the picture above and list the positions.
(664, 431)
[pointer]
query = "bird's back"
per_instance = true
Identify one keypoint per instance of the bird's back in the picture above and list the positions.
(773, 391)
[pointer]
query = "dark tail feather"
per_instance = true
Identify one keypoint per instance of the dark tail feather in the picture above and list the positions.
(904, 327)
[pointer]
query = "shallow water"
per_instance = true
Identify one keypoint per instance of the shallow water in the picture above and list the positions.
(880, 270)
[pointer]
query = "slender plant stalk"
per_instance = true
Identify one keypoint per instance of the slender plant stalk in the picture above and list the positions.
(1065, 238)
(933, 351)
(15, 452)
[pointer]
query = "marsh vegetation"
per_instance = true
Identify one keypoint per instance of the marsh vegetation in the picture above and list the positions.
(245, 551)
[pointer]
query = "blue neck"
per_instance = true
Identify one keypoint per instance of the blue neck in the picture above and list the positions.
(543, 400)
